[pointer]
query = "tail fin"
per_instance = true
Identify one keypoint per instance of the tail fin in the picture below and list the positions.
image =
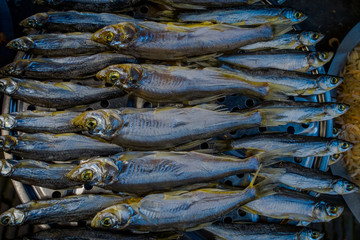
(220, 145)
(280, 29)
(166, 16)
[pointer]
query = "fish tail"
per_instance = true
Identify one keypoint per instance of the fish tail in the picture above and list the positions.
(267, 159)
(280, 29)
(256, 174)
(220, 145)
(167, 16)
(275, 95)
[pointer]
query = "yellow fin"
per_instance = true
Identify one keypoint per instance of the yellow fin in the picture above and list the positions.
(190, 145)
(203, 100)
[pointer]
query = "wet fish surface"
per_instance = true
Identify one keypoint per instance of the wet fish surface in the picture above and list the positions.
(203, 4)
(171, 84)
(64, 67)
(261, 231)
(39, 121)
(291, 60)
(56, 94)
(67, 209)
(176, 42)
(56, 147)
(32, 172)
(144, 172)
(58, 45)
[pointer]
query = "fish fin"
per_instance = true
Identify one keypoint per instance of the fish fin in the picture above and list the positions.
(280, 29)
(212, 107)
(204, 100)
(166, 16)
(272, 174)
(267, 158)
(276, 96)
(209, 60)
(198, 227)
(189, 146)
(265, 188)
(220, 145)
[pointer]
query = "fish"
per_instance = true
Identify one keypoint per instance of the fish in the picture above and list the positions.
(286, 145)
(243, 16)
(203, 4)
(174, 211)
(171, 84)
(145, 172)
(286, 204)
(86, 233)
(169, 127)
(67, 209)
(287, 41)
(299, 177)
(42, 174)
(58, 45)
(177, 42)
(72, 21)
(335, 158)
(56, 94)
(64, 67)
(56, 147)
(258, 231)
(292, 60)
(89, 5)
(39, 121)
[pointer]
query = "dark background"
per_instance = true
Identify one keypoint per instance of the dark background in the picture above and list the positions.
(333, 18)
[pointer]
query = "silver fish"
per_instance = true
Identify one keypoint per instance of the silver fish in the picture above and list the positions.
(204, 4)
(38, 173)
(144, 172)
(67, 209)
(261, 231)
(39, 121)
(56, 94)
(57, 45)
(64, 67)
(294, 206)
(56, 147)
(281, 59)
(287, 41)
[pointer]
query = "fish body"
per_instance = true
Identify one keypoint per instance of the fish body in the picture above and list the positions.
(64, 67)
(136, 128)
(56, 147)
(32, 172)
(280, 59)
(245, 16)
(204, 4)
(144, 172)
(58, 45)
(56, 94)
(173, 211)
(67, 209)
(309, 179)
(178, 41)
(88, 5)
(261, 231)
(284, 144)
(39, 121)
(287, 41)
(294, 206)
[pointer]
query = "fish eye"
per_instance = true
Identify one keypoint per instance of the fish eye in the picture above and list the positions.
(315, 234)
(336, 156)
(335, 131)
(315, 36)
(350, 187)
(344, 145)
(109, 36)
(15, 45)
(86, 175)
(106, 222)
(91, 123)
(298, 15)
(2, 84)
(9, 69)
(30, 22)
(342, 107)
(114, 76)
(323, 55)
(334, 80)
(333, 209)
(5, 220)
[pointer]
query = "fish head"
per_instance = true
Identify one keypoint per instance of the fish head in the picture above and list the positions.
(103, 123)
(309, 38)
(342, 186)
(8, 142)
(118, 36)
(327, 211)
(333, 110)
(293, 15)
(318, 59)
(12, 217)
(309, 234)
(15, 68)
(97, 171)
(116, 217)
(7, 122)
(8, 86)
(335, 158)
(20, 44)
(339, 146)
(35, 21)
(327, 82)
(125, 76)
(5, 167)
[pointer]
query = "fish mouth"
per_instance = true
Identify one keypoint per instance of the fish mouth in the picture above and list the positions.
(5, 168)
